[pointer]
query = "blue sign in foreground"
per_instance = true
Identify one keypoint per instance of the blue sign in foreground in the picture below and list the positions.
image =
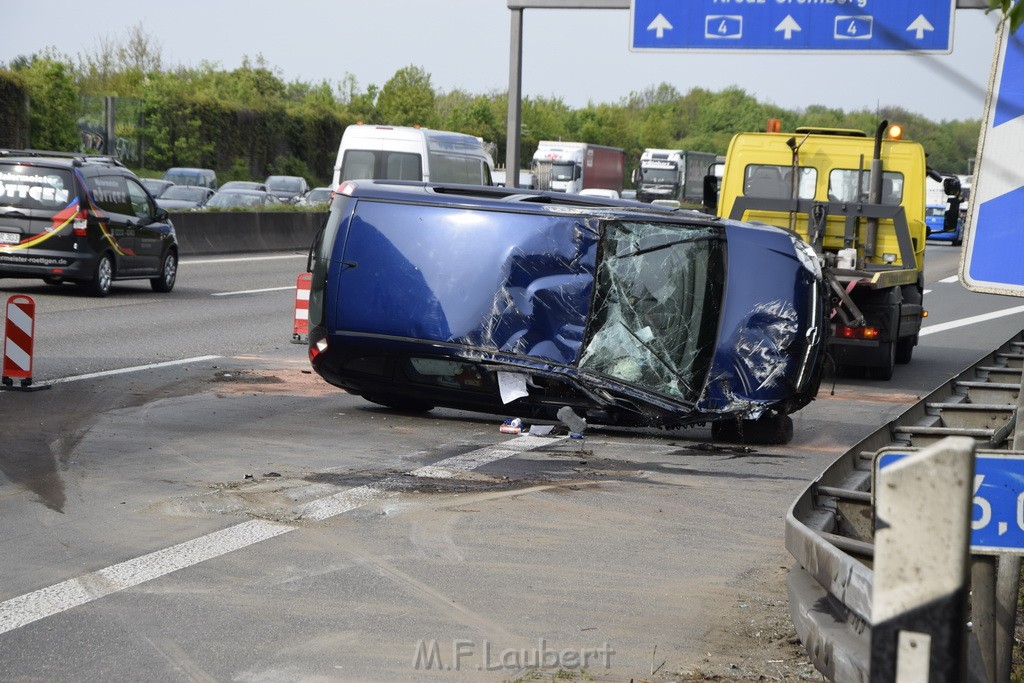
(997, 518)
(991, 258)
(873, 26)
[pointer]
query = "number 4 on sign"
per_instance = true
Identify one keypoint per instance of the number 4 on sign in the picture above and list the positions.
(854, 28)
(723, 26)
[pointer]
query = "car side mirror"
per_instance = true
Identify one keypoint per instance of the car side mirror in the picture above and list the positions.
(951, 186)
(952, 215)
(161, 215)
(710, 194)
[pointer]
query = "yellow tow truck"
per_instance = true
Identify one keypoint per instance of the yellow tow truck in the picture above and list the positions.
(860, 202)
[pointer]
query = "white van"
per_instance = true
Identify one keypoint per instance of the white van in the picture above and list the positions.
(401, 153)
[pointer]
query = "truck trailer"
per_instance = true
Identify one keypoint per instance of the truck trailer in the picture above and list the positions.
(573, 166)
(672, 174)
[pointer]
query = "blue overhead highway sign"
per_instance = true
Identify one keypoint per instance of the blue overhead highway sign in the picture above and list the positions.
(870, 26)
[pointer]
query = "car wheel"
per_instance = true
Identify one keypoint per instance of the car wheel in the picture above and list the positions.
(53, 280)
(405, 405)
(168, 273)
(102, 277)
(772, 429)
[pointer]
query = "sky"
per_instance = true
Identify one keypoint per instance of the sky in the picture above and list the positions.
(579, 56)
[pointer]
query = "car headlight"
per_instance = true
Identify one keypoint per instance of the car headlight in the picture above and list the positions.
(805, 252)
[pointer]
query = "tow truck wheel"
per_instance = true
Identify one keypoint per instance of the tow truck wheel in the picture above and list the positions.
(905, 349)
(774, 429)
(887, 354)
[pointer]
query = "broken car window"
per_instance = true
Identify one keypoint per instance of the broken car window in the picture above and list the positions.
(657, 302)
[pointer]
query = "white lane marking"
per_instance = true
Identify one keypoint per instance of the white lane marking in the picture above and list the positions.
(927, 291)
(951, 279)
(344, 501)
(241, 259)
(953, 324)
(136, 368)
(30, 607)
(253, 291)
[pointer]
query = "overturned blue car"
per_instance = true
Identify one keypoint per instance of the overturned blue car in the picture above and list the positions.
(523, 303)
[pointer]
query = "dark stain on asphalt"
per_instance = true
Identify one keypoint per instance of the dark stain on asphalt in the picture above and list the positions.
(42, 429)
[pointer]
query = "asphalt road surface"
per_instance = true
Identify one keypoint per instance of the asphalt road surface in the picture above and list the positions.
(187, 502)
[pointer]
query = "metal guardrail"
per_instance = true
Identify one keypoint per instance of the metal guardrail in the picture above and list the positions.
(228, 232)
(830, 526)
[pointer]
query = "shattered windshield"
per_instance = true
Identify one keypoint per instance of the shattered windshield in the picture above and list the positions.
(658, 295)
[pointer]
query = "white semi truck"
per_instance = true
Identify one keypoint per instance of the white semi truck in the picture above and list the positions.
(672, 174)
(574, 166)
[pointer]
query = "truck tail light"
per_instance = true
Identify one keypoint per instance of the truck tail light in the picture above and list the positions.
(867, 332)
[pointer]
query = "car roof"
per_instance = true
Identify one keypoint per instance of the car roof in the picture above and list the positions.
(61, 159)
(512, 199)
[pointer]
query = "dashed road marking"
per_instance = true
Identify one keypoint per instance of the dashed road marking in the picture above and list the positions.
(31, 607)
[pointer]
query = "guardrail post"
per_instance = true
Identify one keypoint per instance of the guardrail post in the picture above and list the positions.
(922, 536)
(983, 610)
(1007, 589)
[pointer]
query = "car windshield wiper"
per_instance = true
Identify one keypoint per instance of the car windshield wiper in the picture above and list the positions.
(666, 245)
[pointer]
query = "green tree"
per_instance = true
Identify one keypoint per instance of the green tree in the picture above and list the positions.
(407, 99)
(1012, 11)
(118, 67)
(174, 125)
(53, 101)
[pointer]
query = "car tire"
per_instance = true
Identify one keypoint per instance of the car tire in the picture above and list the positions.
(164, 282)
(773, 429)
(102, 277)
(405, 405)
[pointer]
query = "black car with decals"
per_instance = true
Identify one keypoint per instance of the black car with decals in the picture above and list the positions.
(83, 219)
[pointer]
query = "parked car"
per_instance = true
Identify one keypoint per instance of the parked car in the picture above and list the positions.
(81, 219)
(525, 303)
(156, 186)
(184, 198)
(201, 177)
(288, 188)
(244, 185)
(318, 195)
(935, 220)
(240, 199)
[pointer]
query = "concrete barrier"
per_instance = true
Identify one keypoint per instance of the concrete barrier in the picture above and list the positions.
(223, 232)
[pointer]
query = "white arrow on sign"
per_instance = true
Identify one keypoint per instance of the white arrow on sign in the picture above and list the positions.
(787, 26)
(659, 26)
(920, 25)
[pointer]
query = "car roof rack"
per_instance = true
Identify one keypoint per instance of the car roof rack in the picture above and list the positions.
(77, 158)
